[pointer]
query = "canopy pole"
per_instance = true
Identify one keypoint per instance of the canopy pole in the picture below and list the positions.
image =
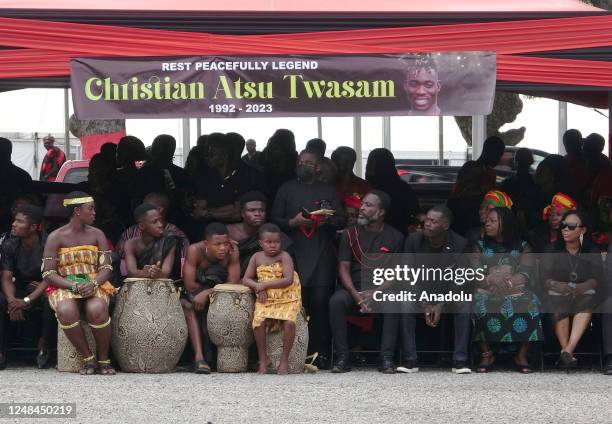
(479, 133)
(562, 126)
(357, 146)
(386, 132)
(199, 127)
(186, 141)
(67, 124)
(319, 127)
(440, 140)
(610, 124)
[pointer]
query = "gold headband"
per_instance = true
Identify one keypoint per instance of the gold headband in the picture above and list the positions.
(78, 201)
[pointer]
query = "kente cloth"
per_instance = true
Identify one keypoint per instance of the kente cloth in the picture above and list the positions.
(283, 304)
(79, 264)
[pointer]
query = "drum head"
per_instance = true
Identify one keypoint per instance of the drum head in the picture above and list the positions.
(231, 288)
(148, 280)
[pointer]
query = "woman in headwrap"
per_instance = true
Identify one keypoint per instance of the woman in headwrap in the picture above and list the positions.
(506, 310)
(491, 200)
(551, 218)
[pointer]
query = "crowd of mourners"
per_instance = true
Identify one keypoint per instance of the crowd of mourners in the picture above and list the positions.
(299, 229)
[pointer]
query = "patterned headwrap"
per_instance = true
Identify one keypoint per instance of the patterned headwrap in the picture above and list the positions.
(352, 201)
(562, 203)
(498, 199)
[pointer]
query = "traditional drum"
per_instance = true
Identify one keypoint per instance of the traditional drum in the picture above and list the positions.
(297, 356)
(230, 315)
(68, 358)
(149, 330)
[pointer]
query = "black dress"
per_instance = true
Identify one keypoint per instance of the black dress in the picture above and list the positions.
(557, 264)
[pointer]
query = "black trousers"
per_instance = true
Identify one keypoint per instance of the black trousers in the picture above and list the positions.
(606, 325)
(3, 319)
(406, 324)
(47, 324)
(341, 305)
(315, 301)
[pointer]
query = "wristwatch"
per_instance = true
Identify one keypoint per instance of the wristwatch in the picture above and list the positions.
(27, 300)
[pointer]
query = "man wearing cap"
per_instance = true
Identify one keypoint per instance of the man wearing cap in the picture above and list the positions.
(53, 161)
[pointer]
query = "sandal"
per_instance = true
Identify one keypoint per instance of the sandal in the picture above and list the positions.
(567, 360)
(105, 368)
(484, 368)
(201, 367)
(522, 368)
(89, 366)
(310, 367)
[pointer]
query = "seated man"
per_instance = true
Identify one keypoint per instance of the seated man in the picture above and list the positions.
(162, 203)
(22, 283)
(443, 248)
(363, 245)
(210, 262)
(253, 212)
(151, 255)
(76, 265)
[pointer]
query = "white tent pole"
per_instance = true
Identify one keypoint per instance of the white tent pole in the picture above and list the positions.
(319, 127)
(562, 126)
(357, 145)
(386, 129)
(479, 133)
(440, 140)
(67, 123)
(186, 141)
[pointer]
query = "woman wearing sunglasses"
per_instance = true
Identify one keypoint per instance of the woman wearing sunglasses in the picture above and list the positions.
(572, 270)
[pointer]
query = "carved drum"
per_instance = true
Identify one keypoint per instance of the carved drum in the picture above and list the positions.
(68, 358)
(149, 331)
(297, 356)
(230, 316)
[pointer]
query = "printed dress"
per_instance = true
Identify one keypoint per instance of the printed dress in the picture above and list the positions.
(283, 304)
(509, 318)
(79, 264)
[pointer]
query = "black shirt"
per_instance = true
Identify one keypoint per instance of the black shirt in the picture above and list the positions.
(315, 256)
(219, 191)
(355, 241)
(24, 264)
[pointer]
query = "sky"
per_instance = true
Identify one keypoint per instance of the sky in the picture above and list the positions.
(42, 110)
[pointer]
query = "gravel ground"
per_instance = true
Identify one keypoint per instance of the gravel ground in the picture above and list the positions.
(362, 396)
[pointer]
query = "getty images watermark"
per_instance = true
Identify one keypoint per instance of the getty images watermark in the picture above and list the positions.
(400, 283)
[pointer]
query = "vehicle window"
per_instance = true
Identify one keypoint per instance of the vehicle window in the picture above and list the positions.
(76, 175)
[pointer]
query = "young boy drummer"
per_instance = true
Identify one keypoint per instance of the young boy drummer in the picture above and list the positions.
(270, 273)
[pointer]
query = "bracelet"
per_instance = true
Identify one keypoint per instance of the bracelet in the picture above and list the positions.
(47, 273)
(74, 288)
(109, 267)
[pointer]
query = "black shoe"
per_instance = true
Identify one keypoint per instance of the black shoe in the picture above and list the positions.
(322, 362)
(387, 366)
(42, 359)
(342, 364)
(461, 367)
(608, 366)
(567, 361)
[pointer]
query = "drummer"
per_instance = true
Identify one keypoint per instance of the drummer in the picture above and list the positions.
(77, 265)
(152, 254)
(213, 261)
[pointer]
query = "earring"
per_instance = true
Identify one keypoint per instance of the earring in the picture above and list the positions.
(581, 238)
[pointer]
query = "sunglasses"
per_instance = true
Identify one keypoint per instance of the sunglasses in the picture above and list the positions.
(570, 226)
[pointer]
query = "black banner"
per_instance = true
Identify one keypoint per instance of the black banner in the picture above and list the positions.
(458, 83)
